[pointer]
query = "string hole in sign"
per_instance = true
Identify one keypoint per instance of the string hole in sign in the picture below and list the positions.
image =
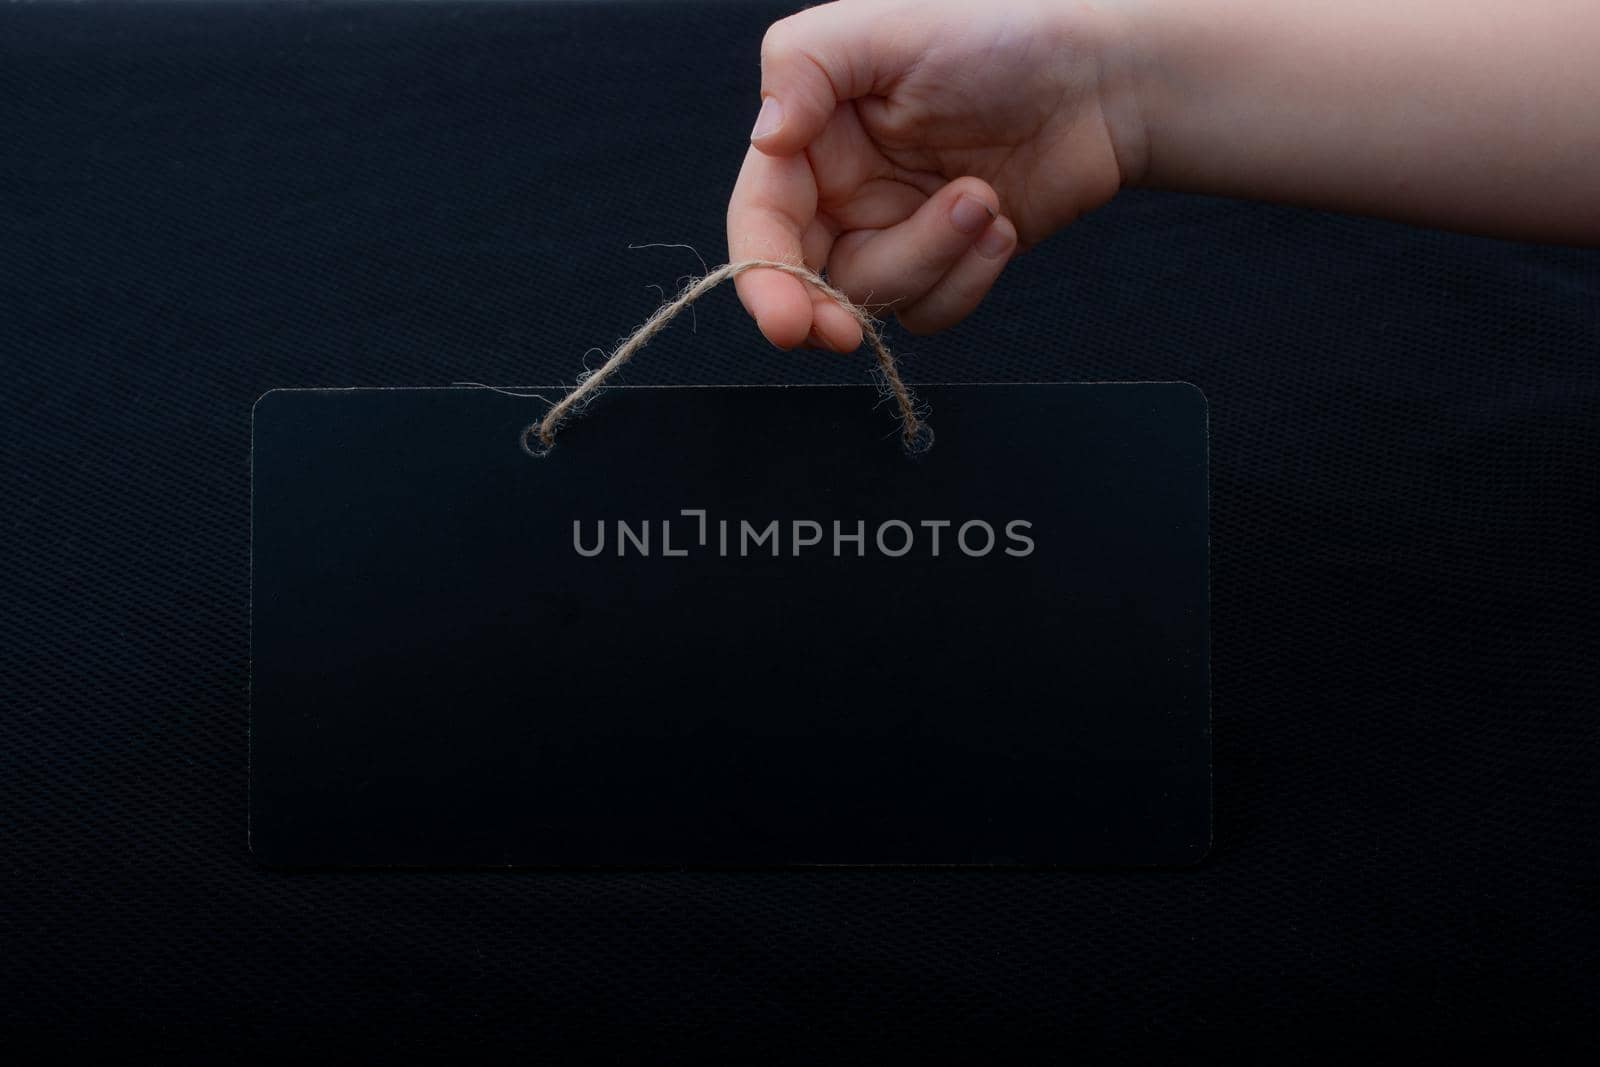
(918, 441)
(531, 443)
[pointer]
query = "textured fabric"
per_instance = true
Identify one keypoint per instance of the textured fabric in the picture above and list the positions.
(200, 202)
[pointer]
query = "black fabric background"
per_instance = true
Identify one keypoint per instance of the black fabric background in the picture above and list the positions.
(200, 202)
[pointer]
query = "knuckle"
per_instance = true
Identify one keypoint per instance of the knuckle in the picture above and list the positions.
(858, 294)
(776, 42)
(969, 292)
(918, 324)
(926, 265)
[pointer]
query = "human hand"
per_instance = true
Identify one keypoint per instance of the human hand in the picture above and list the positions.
(910, 148)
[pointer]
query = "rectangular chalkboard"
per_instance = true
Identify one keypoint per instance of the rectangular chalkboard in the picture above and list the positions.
(731, 626)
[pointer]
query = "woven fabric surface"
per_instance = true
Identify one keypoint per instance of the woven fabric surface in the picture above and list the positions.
(201, 202)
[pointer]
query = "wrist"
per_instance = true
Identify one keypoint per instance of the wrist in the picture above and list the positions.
(1124, 40)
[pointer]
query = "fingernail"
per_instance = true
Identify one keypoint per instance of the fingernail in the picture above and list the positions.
(994, 243)
(969, 214)
(770, 118)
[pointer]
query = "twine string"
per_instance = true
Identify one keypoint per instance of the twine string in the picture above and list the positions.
(914, 431)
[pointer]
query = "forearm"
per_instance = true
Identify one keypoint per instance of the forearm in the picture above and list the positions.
(1472, 114)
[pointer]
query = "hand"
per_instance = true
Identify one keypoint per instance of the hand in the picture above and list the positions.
(910, 148)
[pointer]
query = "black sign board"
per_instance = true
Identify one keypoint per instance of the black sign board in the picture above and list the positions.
(731, 626)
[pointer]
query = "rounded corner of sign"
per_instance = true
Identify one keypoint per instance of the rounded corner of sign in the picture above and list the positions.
(262, 401)
(1197, 393)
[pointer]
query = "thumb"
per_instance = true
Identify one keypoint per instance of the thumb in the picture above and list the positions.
(810, 63)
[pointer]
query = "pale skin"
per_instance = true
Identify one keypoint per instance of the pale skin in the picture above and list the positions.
(910, 148)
